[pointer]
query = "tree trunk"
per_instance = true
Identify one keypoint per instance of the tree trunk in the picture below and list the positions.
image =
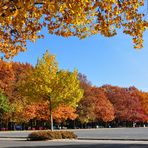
(51, 118)
(51, 121)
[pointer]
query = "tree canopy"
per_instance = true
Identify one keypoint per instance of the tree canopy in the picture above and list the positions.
(26, 92)
(22, 20)
(4, 104)
(47, 82)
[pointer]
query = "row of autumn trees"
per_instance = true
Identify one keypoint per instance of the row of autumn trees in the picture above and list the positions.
(119, 106)
(39, 92)
(44, 93)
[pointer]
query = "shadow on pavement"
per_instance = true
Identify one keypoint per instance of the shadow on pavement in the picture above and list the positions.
(91, 146)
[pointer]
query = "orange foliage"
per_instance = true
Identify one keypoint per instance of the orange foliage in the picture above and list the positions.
(40, 111)
(22, 20)
(6, 77)
(64, 112)
(144, 100)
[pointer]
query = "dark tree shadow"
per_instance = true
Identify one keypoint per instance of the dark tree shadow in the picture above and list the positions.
(90, 146)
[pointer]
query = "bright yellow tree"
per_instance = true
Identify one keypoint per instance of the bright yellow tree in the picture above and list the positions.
(22, 20)
(49, 83)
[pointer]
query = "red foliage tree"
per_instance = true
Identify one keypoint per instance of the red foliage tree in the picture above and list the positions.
(126, 103)
(95, 106)
(103, 109)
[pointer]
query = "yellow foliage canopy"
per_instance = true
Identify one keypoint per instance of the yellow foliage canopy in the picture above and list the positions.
(22, 20)
(48, 83)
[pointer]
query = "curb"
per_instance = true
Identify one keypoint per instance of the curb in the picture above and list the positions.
(95, 139)
(12, 139)
(115, 139)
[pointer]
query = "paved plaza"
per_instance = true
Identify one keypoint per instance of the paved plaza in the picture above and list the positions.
(101, 133)
(114, 134)
(73, 144)
(87, 138)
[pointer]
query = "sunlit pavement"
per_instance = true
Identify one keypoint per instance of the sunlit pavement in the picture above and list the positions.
(73, 144)
(98, 134)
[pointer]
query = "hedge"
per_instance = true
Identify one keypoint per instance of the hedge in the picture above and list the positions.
(50, 135)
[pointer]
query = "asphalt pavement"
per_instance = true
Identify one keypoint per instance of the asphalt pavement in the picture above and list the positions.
(73, 144)
(95, 134)
(87, 138)
(113, 134)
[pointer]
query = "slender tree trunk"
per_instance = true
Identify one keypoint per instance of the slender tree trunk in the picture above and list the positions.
(51, 118)
(51, 121)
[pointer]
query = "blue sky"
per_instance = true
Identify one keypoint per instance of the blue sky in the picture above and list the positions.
(103, 60)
